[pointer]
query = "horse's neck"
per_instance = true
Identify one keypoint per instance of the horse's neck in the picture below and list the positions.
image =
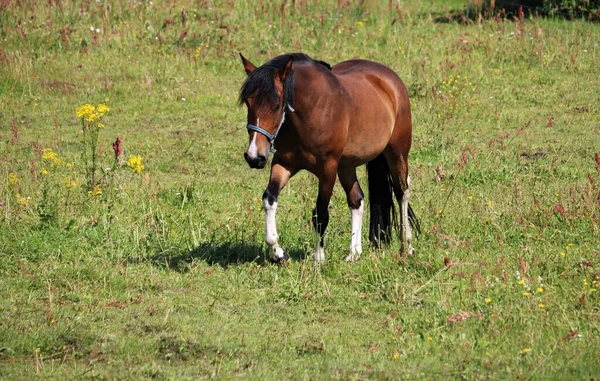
(311, 84)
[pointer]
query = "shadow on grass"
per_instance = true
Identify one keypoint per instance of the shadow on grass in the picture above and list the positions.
(450, 17)
(224, 254)
(511, 10)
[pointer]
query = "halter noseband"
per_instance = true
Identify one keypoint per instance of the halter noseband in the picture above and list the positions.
(270, 137)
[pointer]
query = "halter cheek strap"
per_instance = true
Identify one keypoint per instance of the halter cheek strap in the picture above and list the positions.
(270, 137)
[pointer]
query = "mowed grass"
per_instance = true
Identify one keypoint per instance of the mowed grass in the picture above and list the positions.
(164, 274)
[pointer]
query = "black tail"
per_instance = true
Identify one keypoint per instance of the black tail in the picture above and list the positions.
(381, 191)
(414, 222)
(383, 211)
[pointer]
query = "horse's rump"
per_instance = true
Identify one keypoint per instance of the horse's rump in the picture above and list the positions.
(378, 100)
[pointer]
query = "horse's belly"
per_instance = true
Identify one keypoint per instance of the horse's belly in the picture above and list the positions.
(366, 142)
(370, 127)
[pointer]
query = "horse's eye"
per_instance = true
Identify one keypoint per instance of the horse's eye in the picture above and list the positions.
(277, 108)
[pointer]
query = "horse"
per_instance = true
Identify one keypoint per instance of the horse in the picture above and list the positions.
(329, 121)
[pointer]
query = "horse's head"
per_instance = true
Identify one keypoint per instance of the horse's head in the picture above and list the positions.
(266, 93)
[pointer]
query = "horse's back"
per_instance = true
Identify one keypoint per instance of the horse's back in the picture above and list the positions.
(359, 65)
(369, 71)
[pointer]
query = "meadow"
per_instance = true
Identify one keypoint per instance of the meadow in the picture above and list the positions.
(150, 264)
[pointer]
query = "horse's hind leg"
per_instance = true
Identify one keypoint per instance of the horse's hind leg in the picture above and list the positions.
(399, 170)
(280, 175)
(407, 247)
(321, 212)
(354, 196)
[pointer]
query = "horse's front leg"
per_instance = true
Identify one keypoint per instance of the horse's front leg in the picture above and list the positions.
(280, 175)
(321, 211)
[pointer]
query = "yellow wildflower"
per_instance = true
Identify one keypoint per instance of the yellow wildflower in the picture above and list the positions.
(488, 300)
(525, 351)
(135, 163)
(429, 338)
(23, 201)
(43, 172)
(13, 179)
(96, 190)
(562, 254)
(541, 305)
(92, 117)
(48, 154)
(70, 182)
(395, 356)
(527, 294)
(85, 110)
(522, 282)
(102, 109)
(540, 289)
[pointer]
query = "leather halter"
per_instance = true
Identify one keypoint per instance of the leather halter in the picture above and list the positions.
(270, 137)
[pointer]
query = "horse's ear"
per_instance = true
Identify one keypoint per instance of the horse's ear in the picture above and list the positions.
(248, 66)
(283, 72)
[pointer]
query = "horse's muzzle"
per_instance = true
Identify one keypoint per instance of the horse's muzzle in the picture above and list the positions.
(257, 162)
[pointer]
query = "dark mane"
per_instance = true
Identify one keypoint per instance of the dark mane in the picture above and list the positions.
(261, 81)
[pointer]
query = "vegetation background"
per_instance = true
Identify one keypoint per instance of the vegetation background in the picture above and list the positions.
(157, 269)
(570, 9)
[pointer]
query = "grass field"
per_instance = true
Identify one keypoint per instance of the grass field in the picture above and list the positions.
(162, 274)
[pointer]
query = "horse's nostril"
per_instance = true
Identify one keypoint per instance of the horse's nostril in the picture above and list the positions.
(255, 162)
(262, 161)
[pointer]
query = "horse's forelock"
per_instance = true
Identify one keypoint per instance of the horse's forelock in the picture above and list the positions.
(260, 84)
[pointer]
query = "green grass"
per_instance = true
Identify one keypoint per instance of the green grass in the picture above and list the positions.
(164, 274)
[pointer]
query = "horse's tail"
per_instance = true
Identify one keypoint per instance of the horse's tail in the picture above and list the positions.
(383, 212)
(381, 191)
(414, 222)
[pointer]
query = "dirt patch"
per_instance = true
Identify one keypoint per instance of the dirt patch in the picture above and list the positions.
(172, 348)
(61, 87)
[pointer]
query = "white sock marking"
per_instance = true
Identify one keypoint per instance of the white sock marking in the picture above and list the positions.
(271, 236)
(356, 241)
(406, 230)
(318, 253)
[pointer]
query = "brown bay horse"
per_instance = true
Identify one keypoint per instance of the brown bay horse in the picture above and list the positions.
(330, 120)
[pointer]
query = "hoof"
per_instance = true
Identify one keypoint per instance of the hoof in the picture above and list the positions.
(318, 254)
(352, 258)
(279, 261)
(408, 253)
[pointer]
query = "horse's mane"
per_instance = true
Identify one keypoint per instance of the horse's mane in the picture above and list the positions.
(261, 81)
